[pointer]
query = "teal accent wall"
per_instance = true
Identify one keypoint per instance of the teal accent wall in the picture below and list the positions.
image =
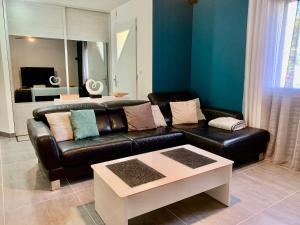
(172, 41)
(218, 52)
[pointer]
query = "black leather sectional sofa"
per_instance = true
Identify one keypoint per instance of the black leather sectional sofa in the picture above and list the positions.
(72, 159)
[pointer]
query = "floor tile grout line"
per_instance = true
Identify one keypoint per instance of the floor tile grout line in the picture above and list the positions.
(87, 211)
(176, 216)
(251, 167)
(254, 178)
(15, 181)
(270, 206)
(286, 167)
(260, 163)
(2, 183)
(20, 161)
(42, 174)
(245, 171)
(36, 203)
(79, 190)
(75, 193)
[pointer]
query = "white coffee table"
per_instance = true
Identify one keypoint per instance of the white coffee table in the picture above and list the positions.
(116, 202)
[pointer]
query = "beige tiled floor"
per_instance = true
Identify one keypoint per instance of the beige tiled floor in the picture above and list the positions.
(262, 194)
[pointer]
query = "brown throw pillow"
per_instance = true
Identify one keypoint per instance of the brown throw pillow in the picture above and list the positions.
(139, 117)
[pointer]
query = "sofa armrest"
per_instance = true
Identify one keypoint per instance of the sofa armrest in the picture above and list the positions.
(44, 144)
(211, 114)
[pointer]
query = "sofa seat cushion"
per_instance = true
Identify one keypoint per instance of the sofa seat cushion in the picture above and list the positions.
(151, 140)
(95, 150)
(233, 145)
(191, 127)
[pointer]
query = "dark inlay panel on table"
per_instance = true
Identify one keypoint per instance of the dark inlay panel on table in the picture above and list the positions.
(134, 172)
(188, 158)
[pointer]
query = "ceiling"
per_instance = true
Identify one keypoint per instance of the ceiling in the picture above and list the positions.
(97, 5)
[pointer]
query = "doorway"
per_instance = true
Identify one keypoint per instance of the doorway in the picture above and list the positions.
(124, 47)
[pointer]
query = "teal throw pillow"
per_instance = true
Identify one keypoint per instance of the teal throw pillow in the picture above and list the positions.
(84, 124)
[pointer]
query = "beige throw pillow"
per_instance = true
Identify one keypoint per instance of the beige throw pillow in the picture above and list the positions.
(159, 119)
(200, 115)
(139, 117)
(60, 126)
(184, 112)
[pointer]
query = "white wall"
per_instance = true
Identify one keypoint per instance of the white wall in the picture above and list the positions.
(87, 25)
(43, 53)
(6, 112)
(142, 11)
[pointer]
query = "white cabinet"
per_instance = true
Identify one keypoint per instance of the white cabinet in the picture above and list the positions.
(47, 21)
(87, 25)
(34, 19)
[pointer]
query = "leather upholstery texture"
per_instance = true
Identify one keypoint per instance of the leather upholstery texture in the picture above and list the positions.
(233, 145)
(94, 150)
(103, 121)
(72, 159)
(39, 114)
(211, 114)
(240, 146)
(151, 140)
(44, 144)
(163, 101)
(117, 115)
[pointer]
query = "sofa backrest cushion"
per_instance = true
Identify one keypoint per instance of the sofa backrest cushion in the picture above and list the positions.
(117, 115)
(103, 122)
(163, 100)
(211, 114)
(102, 118)
(110, 116)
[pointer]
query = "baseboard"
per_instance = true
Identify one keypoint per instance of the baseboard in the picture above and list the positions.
(8, 135)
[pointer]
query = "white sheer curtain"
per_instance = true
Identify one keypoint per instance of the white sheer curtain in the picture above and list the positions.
(270, 99)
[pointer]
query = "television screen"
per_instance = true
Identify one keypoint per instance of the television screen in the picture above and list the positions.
(31, 76)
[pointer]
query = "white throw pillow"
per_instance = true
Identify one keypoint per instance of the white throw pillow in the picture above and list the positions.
(200, 115)
(159, 119)
(184, 112)
(60, 126)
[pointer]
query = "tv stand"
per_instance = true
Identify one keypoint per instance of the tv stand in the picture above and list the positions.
(51, 91)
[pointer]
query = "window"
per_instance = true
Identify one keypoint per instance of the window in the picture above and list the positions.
(290, 74)
(121, 41)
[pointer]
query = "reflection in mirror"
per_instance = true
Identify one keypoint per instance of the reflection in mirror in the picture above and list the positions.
(38, 69)
(92, 63)
(121, 40)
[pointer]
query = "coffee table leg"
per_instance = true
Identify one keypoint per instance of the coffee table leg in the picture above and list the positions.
(221, 194)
